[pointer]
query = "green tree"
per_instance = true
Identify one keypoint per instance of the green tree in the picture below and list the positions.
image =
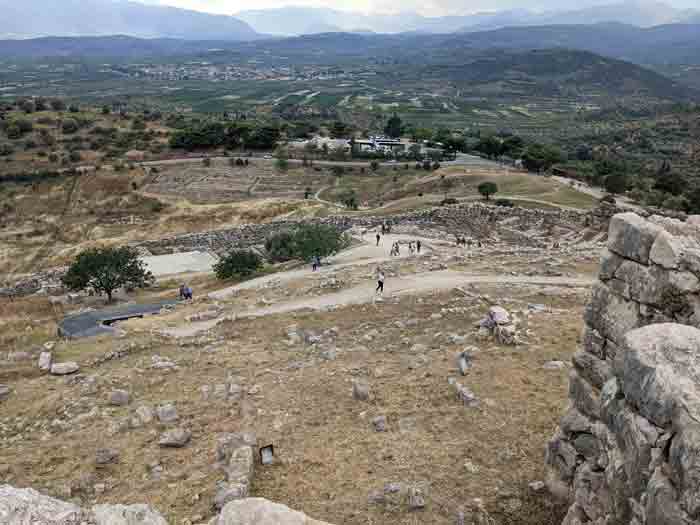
(616, 182)
(320, 240)
(58, 105)
(393, 126)
(486, 189)
(374, 165)
(305, 242)
(338, 129)
(489, 146)
(238, 263)
(105, 270)
(540, 157)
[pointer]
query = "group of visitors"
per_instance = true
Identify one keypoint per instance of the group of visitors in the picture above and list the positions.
(463, 241)
(185, 292)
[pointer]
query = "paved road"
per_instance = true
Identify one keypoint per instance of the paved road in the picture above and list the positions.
(96, 322)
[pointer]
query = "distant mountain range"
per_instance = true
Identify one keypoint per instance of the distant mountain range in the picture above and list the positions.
(306, 20)
(666, 44)
(34, 18)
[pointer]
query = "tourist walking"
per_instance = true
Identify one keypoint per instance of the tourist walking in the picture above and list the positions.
(380, 281)
(418, 245)
(379, 237)
(316, 263)
(410, 248)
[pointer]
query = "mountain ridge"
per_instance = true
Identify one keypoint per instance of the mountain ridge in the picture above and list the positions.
(36, 18)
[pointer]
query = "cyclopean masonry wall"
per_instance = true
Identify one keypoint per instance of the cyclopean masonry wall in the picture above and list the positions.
(628, 448)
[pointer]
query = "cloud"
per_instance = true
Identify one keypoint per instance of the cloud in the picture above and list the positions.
(424, 7)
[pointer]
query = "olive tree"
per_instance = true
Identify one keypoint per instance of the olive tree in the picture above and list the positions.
(105, 270)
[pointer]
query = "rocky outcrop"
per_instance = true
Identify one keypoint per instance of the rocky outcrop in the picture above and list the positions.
(628, 448)
(29, 507)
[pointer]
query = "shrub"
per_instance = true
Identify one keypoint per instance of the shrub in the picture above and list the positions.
(74, 156)
(58, 105)
(238, 263)
(374, 165)
(505, 203)
(70, 126)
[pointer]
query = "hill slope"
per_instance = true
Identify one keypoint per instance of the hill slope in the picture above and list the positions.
(32, 18)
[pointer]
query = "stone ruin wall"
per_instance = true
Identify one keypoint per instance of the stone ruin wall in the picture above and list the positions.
(476, 220)
(520, 226)
(627, 450)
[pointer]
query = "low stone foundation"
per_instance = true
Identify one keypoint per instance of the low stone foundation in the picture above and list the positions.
(628, 448)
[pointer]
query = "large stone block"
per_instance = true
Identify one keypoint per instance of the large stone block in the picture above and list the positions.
(668, 250)
(611, 314)
(594, 370)
(583, 396)
(631, 237)
(661, 371)
(609, 263)
(684, 458)
(662, 507)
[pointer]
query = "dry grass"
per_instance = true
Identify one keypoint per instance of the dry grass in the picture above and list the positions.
(329, 456)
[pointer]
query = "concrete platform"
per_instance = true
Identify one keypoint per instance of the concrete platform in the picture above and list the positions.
(175, 263)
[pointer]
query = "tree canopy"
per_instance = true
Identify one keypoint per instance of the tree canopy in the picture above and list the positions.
(393, 126)
(105, 270)
(487, 189)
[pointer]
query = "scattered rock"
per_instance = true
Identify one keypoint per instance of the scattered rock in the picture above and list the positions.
(119, 398)
(5, 392)
(105, 456)
(379, 424)
(536, 486)
(360, 389)
(45, 360)
(167, 413)
(554, 365)
(175, 438)
(63, 369)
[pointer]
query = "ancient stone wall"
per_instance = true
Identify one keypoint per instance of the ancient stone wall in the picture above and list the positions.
(627, 450)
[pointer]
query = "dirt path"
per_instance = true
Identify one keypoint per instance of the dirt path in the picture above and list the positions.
(366, 253)
(363, 294)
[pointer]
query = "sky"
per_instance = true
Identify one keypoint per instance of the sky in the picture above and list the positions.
(424, 7)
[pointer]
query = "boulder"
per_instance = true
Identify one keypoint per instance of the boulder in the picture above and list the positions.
(5, 392)
(632, 237)
(105, 456)
(45, 360)
(360, 389)
(661, 371)
(28, 507)
(64, 369)
(176, 438)
(167, 413)
(118, 398)
(127, 515)
(259, 511)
